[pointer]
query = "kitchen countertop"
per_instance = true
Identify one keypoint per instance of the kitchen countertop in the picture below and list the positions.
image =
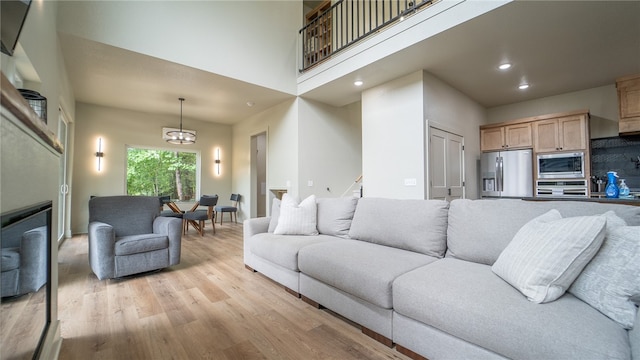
(627, 201)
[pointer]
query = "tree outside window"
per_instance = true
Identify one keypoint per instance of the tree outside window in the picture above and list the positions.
(154, 172)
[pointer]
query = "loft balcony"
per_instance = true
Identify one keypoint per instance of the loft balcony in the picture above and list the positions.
(332, 28)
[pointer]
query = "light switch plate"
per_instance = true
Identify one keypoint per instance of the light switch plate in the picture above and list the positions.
(410, 182)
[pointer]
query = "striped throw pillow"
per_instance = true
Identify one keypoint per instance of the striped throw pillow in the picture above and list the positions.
(548, 253)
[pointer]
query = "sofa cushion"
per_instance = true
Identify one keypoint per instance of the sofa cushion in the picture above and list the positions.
(359, 268)
(415, 225)
(283, 249)
(468, 301)
(611, 281)
(548, 253)
(134, 244)
(335, 215)
(494, 223)
(297, 217)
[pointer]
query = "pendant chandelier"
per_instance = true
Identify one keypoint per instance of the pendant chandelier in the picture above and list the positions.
(182, 136)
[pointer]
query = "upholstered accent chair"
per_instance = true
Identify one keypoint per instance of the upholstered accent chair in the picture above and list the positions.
(127, 236)
(24, 259)
(231, 209)
(197, 217)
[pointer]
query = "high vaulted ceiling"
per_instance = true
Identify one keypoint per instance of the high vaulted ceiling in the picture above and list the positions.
(556, 47)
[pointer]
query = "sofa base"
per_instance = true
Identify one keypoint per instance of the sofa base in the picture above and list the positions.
(411, 354)
(250, 268)
(292, 292)
(312, 303)
(432, 343)
(377, 337)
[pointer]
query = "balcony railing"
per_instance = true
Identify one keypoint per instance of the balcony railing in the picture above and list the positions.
(348, 21)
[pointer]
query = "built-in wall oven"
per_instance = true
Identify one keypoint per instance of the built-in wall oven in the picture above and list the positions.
(562, 188)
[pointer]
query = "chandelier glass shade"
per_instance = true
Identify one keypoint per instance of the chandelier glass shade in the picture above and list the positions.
(182, 136)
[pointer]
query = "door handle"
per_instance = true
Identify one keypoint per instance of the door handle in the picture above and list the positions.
(449, 191)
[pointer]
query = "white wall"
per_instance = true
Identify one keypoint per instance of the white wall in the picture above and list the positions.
(119, 128)
(602, 103)
(238, 39)
(393, 139)
(330, 148)
(450, 110)
(281, 125)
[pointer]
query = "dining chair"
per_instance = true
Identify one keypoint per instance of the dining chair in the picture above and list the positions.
(197, 217)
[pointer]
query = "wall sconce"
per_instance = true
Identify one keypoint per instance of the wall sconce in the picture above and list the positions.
(217, 161)
(99, 154)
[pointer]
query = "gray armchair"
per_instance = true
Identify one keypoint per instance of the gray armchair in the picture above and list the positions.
(127, 236)
(24, 259)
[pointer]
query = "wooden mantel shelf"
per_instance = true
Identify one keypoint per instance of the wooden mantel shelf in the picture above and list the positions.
(11, 100)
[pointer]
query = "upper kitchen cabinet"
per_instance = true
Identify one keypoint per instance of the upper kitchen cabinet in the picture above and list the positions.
(565, 133)
(629, 104)
(516, 136)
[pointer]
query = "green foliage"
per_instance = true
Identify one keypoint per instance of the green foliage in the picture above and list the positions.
(161, 173)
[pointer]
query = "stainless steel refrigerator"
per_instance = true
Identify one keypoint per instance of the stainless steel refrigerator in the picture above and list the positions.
(507, 173)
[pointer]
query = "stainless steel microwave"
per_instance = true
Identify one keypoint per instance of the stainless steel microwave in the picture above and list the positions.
(568, 165)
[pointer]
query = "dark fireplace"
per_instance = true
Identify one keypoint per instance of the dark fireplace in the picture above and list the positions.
(25, 315)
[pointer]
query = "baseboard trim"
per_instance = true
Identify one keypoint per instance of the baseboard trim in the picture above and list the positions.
(411, 354)
(377, 337)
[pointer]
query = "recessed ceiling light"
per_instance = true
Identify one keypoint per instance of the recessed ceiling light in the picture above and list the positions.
(504, 66)
(250, 103)
(523, 86)
(358, 83)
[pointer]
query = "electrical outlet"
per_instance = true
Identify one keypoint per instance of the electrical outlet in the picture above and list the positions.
(310, 183)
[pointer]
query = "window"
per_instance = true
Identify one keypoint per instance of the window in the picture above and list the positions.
(157, 172)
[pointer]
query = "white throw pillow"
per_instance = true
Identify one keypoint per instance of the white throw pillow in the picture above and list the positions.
(548, 253)
(611, 281)
(275, 215)
(297, 218)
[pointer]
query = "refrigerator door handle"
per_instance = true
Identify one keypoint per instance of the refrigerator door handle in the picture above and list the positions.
(499, 173)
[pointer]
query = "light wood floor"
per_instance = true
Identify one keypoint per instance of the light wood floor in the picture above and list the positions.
(207, 307)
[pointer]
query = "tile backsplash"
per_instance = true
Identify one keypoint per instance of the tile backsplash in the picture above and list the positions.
(616, 154)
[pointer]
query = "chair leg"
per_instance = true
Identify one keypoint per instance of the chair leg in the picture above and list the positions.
(201, 230)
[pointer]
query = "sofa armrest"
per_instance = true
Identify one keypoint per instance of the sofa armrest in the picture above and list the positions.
(255, 226)
(634, 338)
(33, 260)
(250, 228)
(172, 227)
(102, 250)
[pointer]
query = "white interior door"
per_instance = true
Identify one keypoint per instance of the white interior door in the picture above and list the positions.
(446, 165)
(64, 187)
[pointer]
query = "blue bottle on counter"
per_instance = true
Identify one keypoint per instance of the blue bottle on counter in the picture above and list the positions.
(612, 191)
(623, 189)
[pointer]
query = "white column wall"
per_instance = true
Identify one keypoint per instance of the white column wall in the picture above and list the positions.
(393, 139)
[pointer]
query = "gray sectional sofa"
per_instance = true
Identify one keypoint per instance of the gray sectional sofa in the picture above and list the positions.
(418, 274)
